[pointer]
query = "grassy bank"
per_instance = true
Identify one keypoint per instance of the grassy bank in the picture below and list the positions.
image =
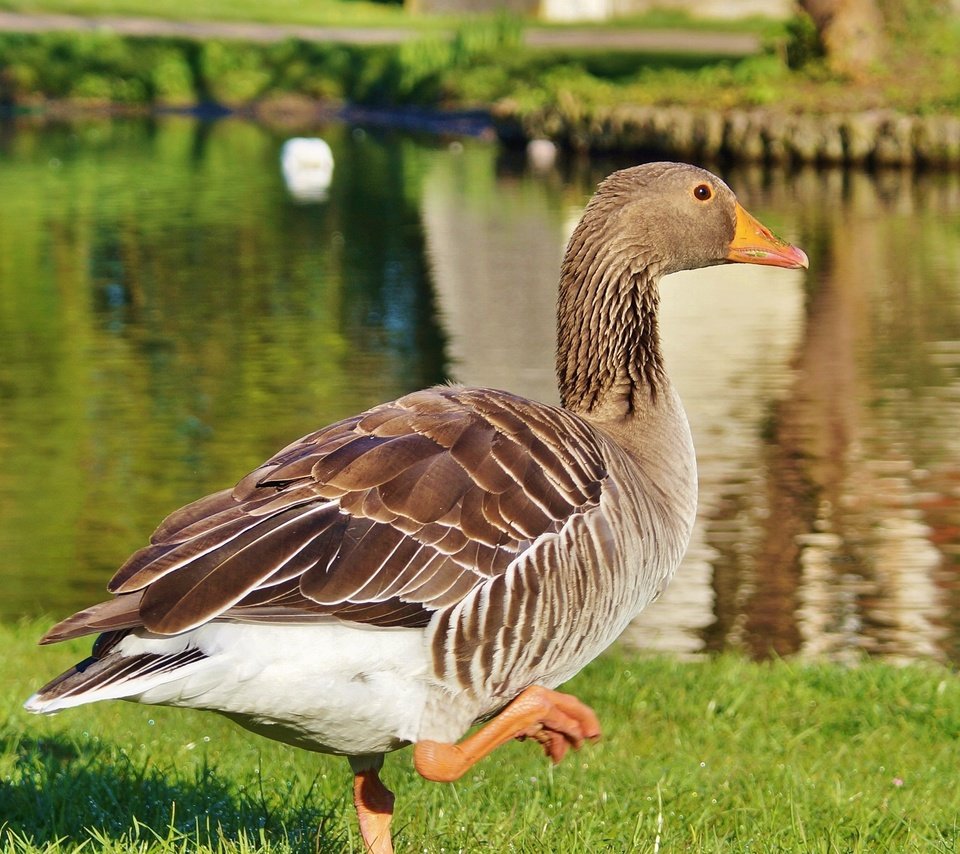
(713, 756)
(483, 62)
(354, 13)
(476, 63)
(104, 68)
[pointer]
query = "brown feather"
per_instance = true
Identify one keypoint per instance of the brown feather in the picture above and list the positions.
(412, 503)
(151, 563)
(121, 612)
(198, 510)
(426, 491)
(370, 461)
(209, 583)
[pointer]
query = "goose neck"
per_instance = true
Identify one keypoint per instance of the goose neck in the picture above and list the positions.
(609, 361)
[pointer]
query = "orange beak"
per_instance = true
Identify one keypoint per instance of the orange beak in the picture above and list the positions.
(754, 243)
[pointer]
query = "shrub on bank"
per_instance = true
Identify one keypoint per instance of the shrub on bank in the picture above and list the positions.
(105, 67)
(173, 78)
(151, 71)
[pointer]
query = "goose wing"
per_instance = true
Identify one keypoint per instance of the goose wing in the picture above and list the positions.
(383, 518)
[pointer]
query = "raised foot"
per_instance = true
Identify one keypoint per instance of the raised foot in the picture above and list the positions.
(558, 721)
(374, 804)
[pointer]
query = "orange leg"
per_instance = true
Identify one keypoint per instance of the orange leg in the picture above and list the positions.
(558, 721)
(374, 803)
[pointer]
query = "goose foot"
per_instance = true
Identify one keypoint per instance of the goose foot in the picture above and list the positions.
(374, 804)
(558, 721)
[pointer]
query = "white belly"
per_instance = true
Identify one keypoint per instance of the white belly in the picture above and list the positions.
(331, 687)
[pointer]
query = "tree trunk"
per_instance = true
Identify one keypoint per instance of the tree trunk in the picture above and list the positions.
(851, 32)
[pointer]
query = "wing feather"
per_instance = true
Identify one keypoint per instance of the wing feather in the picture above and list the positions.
(385, 518)
(201, 511)
(152, 563)
(212, 582)
(427, 490)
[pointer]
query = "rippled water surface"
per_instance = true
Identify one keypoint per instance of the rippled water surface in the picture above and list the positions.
(170, 315)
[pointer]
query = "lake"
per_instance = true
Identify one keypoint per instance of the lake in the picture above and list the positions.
(170, 315)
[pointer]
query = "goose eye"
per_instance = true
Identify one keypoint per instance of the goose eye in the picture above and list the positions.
(702, 192)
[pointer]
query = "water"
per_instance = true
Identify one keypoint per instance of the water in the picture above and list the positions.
(169, 316)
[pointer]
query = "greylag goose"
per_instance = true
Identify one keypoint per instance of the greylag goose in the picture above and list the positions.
(447, 558)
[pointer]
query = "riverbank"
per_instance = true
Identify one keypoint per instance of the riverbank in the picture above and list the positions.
(875, 138)
(722, 96)
(701, 756)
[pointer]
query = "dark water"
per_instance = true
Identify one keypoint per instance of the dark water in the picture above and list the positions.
(169, 316)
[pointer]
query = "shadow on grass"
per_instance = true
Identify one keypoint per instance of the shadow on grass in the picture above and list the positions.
(62, 791)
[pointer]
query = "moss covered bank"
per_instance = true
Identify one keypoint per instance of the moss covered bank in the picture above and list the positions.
(881, 137)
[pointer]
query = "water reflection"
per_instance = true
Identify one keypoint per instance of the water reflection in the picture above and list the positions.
(815, 533)
(831, 549)
(169, 316)
(495, 242)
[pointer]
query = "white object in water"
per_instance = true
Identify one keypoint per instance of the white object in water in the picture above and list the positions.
(307, 166)
(541, 154)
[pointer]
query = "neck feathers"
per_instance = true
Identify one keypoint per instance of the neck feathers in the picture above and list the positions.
(608, 352)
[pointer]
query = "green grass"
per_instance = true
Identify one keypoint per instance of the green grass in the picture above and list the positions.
(354, 13)
(718, 755)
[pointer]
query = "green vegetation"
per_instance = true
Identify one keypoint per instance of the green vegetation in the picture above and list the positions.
(919, 74)
(712, 756)
(483, 62)
(103, 67)
(354, 13)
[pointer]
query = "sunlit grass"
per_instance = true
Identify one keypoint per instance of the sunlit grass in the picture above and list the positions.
(711, 756)
(316, 12)
(356, 13)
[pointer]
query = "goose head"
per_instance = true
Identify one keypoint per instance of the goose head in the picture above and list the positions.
(643, 223)
(666, 217)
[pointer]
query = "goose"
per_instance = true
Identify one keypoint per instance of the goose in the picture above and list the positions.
(448, 558)
(307, 166)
